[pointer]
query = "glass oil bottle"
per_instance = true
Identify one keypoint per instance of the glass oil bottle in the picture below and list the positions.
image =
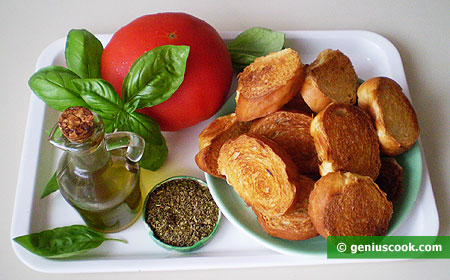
(98, 173)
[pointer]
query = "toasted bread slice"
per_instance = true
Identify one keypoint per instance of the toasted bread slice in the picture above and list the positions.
(290, 130)
(390, 179)
(268, 83)
(395, 118)
(298, 104)
(294, 225)
(330, 78)
(347, 204)
(213, 137)
(346, 140)
(260, 172)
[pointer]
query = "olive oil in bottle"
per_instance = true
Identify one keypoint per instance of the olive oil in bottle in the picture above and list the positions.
(98, 174)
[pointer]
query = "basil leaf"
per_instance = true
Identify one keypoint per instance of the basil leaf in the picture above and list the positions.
(156, 151)
(360, 81)
(147, 127)
(53, 84)
(253, 43)
(83, 53)
(100, 96)
(131, 105)
(108, 124)
(154, 156)
(154, 76)
(51, 187)
(62, 242)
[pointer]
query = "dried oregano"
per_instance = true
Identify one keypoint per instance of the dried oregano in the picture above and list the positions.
(181, 212)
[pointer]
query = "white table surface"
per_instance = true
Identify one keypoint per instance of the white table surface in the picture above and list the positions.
(419, 29)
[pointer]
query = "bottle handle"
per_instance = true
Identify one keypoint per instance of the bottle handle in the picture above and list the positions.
(134, 143)
(56, 139)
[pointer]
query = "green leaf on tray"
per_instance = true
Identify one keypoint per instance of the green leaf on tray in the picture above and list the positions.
(154, 77)
(154, 156)
(51, 187)
(63, 242)
(360, 81)
(253, 43)
(83, 53)
(109, 125)
(100, 96)
(156, 152)
(53, 84)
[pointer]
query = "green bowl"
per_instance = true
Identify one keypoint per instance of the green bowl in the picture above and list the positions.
(240, 215)
(202, 242)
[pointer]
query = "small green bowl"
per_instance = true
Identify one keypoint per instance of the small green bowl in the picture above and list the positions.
(202, 242)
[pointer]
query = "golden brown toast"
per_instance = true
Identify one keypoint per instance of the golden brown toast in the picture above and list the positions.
(395, 118)
(347, 204)
(261, 172)
(390, 179)
(290, 130)
(268, 83)
(346, 140)
(294, 225)
(213, 137)
(330, 78)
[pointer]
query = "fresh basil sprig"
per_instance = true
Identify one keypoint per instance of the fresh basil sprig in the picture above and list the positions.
(148, 128)
(100, 96)
(253, 43)
(83, 53)
(53, 84)
(52, 186)
(152, 79)
(63, 242)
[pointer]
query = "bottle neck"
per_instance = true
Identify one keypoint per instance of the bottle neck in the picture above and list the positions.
(89, 154)
(92, 160)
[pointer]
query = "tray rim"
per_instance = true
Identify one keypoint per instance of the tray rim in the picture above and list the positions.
(30, 158)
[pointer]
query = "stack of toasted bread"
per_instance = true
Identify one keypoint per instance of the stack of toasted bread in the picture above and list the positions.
(308, 150)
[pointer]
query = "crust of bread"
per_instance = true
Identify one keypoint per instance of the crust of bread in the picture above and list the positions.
(345, 140)
(347, 204)
(390, 179)
(295, 225)
(330, 78)
(268, 84)
(290, 130)
(395, 119)
(313, 97)
(213, 137)
(261, 172)
(298, 104)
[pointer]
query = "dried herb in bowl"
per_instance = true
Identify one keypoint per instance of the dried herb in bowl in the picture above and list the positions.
(181, 212)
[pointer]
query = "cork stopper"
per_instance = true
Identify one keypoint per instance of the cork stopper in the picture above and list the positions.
(76, 124)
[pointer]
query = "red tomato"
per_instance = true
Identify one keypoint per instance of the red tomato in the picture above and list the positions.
(208, 70)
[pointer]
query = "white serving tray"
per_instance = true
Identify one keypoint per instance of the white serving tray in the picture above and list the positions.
(371, 54)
